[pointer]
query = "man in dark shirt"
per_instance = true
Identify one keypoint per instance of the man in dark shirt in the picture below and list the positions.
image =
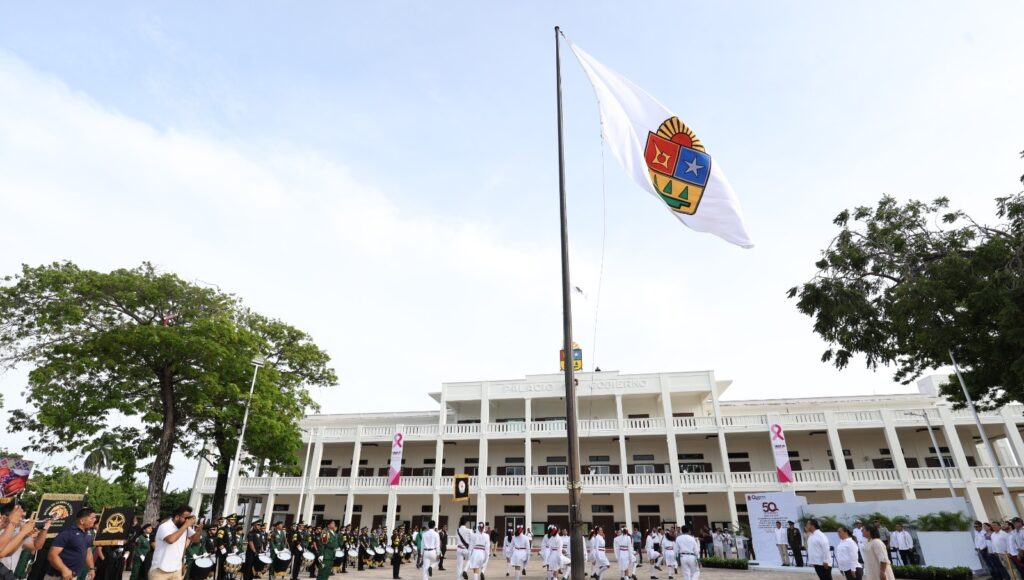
(796, 542)
(69, 552)
(443, 535)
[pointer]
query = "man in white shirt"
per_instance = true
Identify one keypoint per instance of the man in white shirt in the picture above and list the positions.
(171, 539)
(20, 533)
(782, 543)
(688, 549)
(904, 544)
(430, 548)
(818, 554)
(858, 535)
(462, 539)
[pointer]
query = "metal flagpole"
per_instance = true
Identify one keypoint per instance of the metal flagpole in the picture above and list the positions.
(935, 444)
(984, 439)
(573, 477)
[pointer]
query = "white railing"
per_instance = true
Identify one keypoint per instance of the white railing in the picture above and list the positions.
(420, 430)
(547, 426)
(507, 481)
(755, 478)
(1009, 472)
(744, 420)
(858, 417)
(873, 475)
(254, 483)
(914, 416)
(704, 479)
(933, 474)
(592, 425)
(548, 481)
(385, 431)
(322, 482)
(504, 428)
(983, 415)
(645, 424)
(286, 483)
(462, 429)
(340, 433)
(804, 419)
(816, 476)
(602, 480)
(693, 422)
(369, 482)
(648, 479)
(416, 481)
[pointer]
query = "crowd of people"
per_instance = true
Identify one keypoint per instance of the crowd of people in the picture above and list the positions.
(1000, 546)
(863, 551)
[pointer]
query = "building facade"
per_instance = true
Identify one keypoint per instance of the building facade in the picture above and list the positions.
(656, 449)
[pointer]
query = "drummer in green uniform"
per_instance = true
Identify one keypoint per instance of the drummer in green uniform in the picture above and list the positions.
(140, 551)
(328, 545)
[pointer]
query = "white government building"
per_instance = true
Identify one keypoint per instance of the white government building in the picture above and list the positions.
(656, 449)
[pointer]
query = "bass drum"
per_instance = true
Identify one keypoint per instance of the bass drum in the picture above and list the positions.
(281, 560)
(389, 550)
(307, 558)
(379, 551)
(202, 568)
(233, 564)
(261, 564)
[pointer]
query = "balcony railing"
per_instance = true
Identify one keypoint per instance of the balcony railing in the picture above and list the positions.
(859, 417)
(340, 433)
(420, 430)
(588, 426)
(369, 482)
(506, 481)
(1009, 472)
(557, 481)
(693, 422)
(645, 424)
(755, 478)
(933, 474)
(648, 479)
(804, 419)
(602, 480)
(462, 429)
(744, 420)
(874, 475)
(506, 428)
(547, 426)
(702, 479)
(816, 476)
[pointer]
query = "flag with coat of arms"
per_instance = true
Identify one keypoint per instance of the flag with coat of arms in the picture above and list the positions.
(664, 156)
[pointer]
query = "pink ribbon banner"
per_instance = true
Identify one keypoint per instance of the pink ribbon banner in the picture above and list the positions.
(395, 468)
(780, 450)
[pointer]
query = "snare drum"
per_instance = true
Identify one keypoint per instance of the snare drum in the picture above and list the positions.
(389, 550)
(204, 562)
(339, 554)
(353, 553)
(407, 550)
(233, 563)
(284, 555)
(265, 558)
(307, 558)
(379, 550)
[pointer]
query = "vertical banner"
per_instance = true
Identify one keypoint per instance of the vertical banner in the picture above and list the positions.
(395, 469)
(778, 441)
(115, 525)
(13, 476)
(764, 509)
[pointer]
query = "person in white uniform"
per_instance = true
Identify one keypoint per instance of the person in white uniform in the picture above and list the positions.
(554, 557)
(782, 543)
(520, 552)
(479, 547)
(688, 549)
(654, 556)
(597, 550)
(623, 545)
(430, 548)
(462, 545)
(668, 548)
(544, 549)
(847, 555)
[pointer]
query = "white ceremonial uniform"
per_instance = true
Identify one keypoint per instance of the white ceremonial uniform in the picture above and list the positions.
(858, 536)
(544, 550)
(462, 546)
(430, 551)
(782, 543)
(623, 545)
(818, 549)
(479, 548)
(846, 555)
(652, 554)
(671, 555)
(554, 559)
(689, 551)
(901, 540)
(520, 550)
(600, 556)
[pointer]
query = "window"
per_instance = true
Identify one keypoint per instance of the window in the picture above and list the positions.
(514, 470)
(682, 414)
(739, 455)
(515, 509)
(558, 509)
(556, 459)
(330, 461)
(318, 507)
(602, 509)
(364, 462)
(884, 451)
(468, 422)
(739, 466)
(832, 464)
(648, 509)
(280, 507)
(469, 509)
(328, 472)
(426, 509)
(472, 460)
(741, 507)
(514, 460)
(599, 469)
(511, 420)
(472, 470)
(639, 416)
(912, 462)
(643, 468)
(558, 470)
(793, 454)
(431, 461)
(690, 456)
(846, 453)
(941, 450)
(643, 458)
(599, 458)
(356, 508)
(694, 467)
(697, 508)
(934, 461)
(551, 419)
(883, 463)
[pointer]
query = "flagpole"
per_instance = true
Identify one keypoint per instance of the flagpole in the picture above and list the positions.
(573, 476)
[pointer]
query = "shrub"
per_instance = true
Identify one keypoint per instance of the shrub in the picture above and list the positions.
(932, 573)
(887, 521)
(943, 522)
(825, 523)
(724, 563)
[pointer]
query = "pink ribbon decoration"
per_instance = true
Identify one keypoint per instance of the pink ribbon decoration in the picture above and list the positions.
(777, 432)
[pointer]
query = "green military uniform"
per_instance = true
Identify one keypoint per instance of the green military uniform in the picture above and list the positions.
(139, 555)
(328, 545)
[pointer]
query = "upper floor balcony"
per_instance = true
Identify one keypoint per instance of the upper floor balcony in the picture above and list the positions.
(654, 425)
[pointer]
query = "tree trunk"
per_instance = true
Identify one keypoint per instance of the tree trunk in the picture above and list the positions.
(162, 461)
(220, 490)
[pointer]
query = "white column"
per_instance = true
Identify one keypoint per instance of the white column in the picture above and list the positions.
(442, 420)
(389, 518)
(623, 458)
(528, 460)
(268, 509)
(195, 499)
(892, 440)
(1012, 433)
(952, 438)
(838, 459)
(350, 498)
(309, 479)
(723, 450)
(673, 453)
(485, 419)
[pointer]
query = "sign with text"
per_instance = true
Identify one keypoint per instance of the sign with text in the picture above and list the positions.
(395, 469)
(461, 491)
(61, 509)
(764, 509)
(779, 448)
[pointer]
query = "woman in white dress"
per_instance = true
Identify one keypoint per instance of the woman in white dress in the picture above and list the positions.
(506, 550)
(600, 558)
(544, 550)
(653, 556)
(876, 557)
(668, 548)
(479, 548)
(554, 558)
(520, 552)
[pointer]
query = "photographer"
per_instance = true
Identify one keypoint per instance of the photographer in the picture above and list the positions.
(172, 537)
(17, 535)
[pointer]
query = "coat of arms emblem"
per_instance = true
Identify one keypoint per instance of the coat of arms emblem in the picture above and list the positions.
(678, 165)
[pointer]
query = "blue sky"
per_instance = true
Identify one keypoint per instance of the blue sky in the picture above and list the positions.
(384, 175)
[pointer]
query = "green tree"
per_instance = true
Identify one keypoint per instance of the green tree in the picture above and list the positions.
(134, 344)
(905, 284)
(100, 492)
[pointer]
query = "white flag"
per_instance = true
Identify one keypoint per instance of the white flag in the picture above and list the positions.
(664, 156)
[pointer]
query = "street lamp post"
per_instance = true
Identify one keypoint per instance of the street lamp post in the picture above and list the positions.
(232, 494)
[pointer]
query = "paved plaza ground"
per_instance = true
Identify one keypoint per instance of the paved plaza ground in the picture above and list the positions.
(409, 572)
